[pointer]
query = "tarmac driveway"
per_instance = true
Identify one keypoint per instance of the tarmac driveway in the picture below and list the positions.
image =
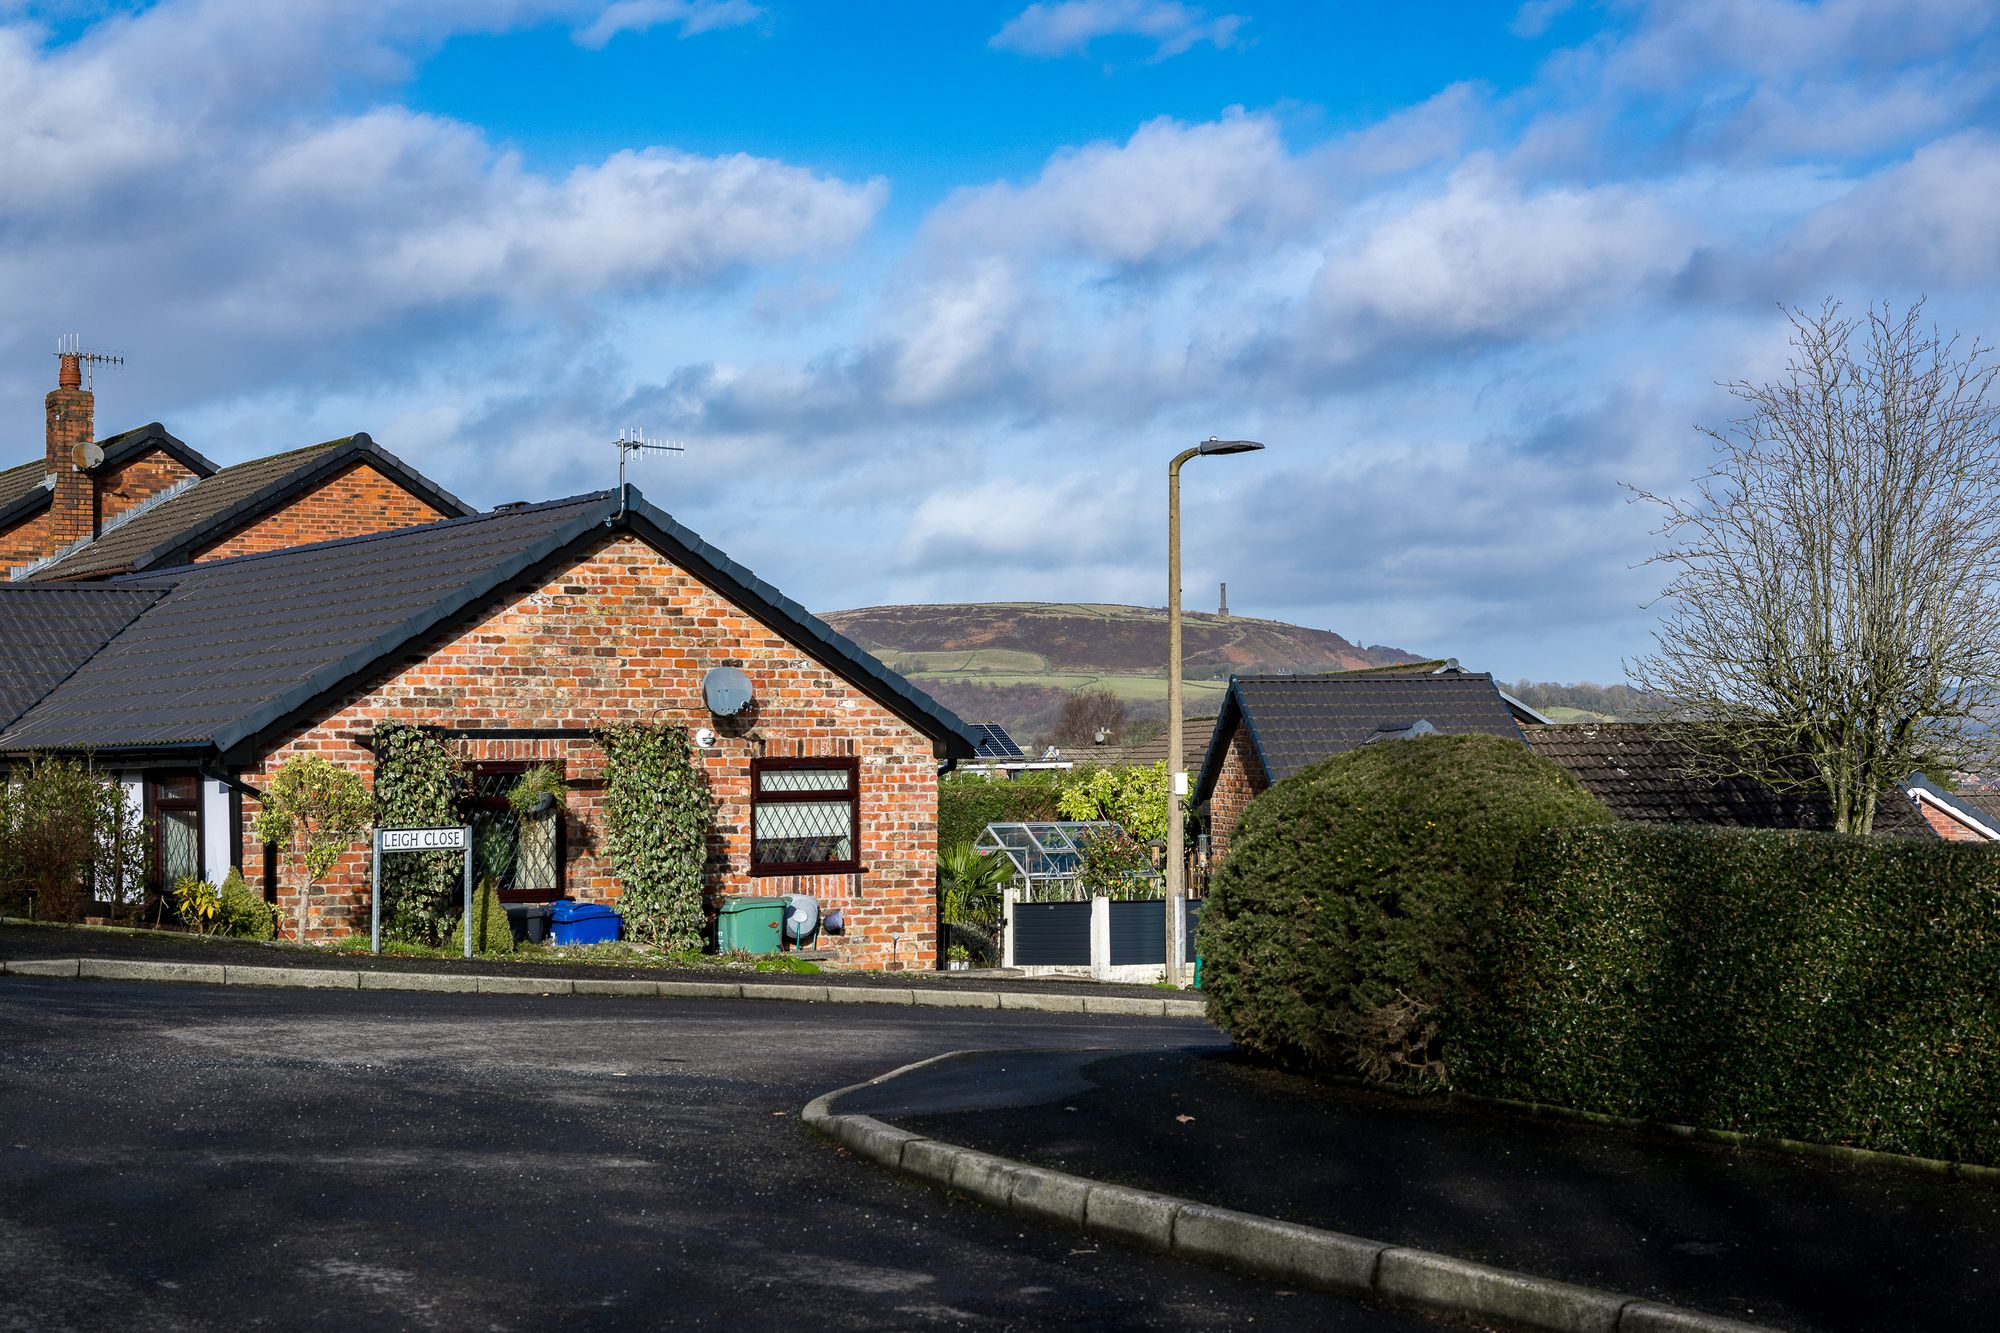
(187, 1158)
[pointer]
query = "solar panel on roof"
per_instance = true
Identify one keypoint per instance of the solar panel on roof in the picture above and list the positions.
(995, 743)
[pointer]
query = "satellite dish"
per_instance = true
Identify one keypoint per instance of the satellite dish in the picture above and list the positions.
(801, 916)
(727, 691)
(87, 456)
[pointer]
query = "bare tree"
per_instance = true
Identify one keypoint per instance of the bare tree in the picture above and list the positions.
(1085, 714)
(1832, 620)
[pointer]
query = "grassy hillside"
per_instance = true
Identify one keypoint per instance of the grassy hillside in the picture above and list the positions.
(1013, 662)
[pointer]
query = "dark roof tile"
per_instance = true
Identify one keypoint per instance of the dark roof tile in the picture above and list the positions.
(1640, 771)
(50, 632)
(170, 532)
(233, 647)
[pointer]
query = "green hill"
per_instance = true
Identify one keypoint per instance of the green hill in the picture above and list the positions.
(1013, 662)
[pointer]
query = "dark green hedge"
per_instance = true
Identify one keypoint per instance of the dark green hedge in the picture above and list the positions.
(1799, 985)
(1341, 928)
(968, 802)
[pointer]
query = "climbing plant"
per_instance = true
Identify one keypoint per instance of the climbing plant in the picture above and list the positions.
(419, 780)
(657, 812)
(314, 811)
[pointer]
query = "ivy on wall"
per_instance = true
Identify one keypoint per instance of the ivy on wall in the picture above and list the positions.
(657, 812)
(419, 781)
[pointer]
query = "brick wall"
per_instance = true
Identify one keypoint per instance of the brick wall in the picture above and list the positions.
(1241, 779)
(118, 489)
(24, 543)
(358, 501)
(625, 635)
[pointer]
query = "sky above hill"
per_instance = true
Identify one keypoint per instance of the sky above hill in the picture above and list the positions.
(931, 292)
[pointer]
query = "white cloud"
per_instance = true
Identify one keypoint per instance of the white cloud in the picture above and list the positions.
(1929, 220)
(1068, 27)
(692, 17)
(234, 205)
(1168, 191)
(1485, 257)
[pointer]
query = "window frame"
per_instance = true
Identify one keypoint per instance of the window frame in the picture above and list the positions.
(153, 805)
(476, 768)
(847, 763)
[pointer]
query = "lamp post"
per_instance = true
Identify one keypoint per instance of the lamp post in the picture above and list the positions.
(1177, 782)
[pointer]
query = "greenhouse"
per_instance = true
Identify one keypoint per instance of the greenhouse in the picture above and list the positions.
(1046, 856)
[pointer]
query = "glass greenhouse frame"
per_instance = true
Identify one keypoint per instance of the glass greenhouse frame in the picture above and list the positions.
(1046, 856)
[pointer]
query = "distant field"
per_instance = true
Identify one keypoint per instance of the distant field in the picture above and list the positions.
(1132, 689)
(1562, 713)
(954, 662)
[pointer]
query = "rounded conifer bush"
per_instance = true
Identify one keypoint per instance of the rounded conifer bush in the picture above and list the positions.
(1345, 924)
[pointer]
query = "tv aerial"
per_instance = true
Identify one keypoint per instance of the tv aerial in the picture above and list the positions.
(633, 441)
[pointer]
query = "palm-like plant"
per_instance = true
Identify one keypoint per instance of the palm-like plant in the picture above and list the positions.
(969, 884)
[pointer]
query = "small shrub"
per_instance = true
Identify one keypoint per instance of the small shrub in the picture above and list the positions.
(1117, 865)
(1133, 798)
(969, 886)
(314, 810)
(197, 904)
(244, 912)
(1341, 930)
(492, 932)
(68, 833)
(419, 781)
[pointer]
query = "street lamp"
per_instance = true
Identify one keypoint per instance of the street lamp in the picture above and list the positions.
(1177, 785)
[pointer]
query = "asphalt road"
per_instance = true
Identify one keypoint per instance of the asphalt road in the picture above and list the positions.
(192, 1158)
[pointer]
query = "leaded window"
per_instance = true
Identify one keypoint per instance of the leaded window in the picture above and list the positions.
(173, 799)
(521, 855)
(804, 816)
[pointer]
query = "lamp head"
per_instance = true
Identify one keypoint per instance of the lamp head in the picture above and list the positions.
(1211, 445)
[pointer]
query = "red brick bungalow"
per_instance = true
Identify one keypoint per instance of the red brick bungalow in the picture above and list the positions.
(145, 500)
(514, 634)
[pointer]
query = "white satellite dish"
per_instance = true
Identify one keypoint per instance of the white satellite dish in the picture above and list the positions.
(727, 691)
(87, 455)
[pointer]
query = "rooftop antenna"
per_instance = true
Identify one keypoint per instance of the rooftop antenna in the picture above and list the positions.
(71, 344)
(633, 441)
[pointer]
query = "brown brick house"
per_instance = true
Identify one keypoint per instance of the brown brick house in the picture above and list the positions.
(144, 499)
(514, 635)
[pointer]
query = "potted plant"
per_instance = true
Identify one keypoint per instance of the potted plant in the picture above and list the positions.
(958, 958)
(539, 790)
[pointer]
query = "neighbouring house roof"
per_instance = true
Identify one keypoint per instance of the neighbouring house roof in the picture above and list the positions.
(1640, 770)
(170, 532)
(233, 649)
(1194, 746)
(1976, 814)
(49, 633)
(1294, 721)
(23, 493)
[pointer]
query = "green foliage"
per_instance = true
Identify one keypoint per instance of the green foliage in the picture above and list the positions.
(968, 802)
(1813, 986)
(66, 832)
(1118, 865)
(1134, 798)
(313, 810)
(491, 930)
(1341, 930)
(543, 781)
(419, 780)
(197, 904)
(243, 912)
(969, 886)
(657, 813)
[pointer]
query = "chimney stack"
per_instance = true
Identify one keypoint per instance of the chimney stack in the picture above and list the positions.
(71, 422)
(1224, 612)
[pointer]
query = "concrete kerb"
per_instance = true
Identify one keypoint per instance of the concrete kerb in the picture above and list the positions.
(1264, 1246)
(324, 978)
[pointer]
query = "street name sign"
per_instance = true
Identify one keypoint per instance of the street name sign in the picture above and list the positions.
(423, 839)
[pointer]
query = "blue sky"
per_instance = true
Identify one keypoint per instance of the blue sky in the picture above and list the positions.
(931, 292)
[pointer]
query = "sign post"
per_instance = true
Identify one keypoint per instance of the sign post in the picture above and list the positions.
(391, 840)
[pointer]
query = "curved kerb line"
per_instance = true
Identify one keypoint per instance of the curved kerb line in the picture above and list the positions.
(1261, 1245)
